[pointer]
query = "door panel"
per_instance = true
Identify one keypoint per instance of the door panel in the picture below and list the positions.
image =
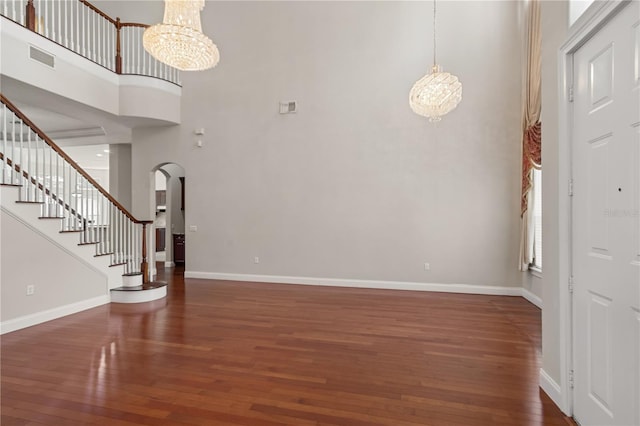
(599, 352)
(599, 159)
(606, 224)
(601, 78)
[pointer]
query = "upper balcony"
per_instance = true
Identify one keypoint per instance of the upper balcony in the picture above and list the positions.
(68, 52)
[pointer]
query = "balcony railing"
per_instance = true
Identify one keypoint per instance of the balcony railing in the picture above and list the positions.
(86, 30)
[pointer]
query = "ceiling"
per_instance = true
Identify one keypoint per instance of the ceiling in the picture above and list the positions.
(90, 156)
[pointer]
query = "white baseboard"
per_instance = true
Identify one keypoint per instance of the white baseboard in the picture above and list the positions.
(532, 298)
(551, 388)
(51, 314)
(387, 285)
(169, 264)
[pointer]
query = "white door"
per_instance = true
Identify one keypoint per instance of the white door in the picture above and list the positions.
(606, 224)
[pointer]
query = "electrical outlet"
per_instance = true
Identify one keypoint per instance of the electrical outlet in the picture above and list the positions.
(193, 228)
(256, 260)
(427, 267)
(31, 289)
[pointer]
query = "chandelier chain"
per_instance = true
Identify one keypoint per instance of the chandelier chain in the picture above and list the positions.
(434, 33)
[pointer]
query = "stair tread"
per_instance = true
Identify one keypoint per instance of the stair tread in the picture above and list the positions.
(29, 202)
(16, 185)
(69, 231)
(132, 274)
(103, 254)
(144, 287)
(52, 217)
(117, 264)
(88, 244)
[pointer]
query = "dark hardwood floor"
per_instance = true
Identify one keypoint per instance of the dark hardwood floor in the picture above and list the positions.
(229, 353)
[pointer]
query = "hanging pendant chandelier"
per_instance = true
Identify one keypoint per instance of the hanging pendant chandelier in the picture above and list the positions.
(437, 93)
(179, 41)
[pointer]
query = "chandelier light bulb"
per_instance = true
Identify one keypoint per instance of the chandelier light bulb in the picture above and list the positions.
(179, 41)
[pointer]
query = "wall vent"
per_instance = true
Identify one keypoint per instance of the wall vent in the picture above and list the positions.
(42, 56)
(288, 107)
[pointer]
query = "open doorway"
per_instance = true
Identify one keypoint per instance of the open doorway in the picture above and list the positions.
(160, 219)
(169, 223)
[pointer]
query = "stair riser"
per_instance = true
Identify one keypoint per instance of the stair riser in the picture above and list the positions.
(138, 296)
(131, 280)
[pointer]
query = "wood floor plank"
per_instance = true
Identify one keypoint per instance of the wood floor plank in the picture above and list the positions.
(231, 353)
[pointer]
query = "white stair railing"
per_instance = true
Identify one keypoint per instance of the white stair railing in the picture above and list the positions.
(86, 30)
(136, 60)
(47, 176)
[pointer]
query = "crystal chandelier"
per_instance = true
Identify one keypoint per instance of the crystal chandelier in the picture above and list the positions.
(437, 93)
(179, 41)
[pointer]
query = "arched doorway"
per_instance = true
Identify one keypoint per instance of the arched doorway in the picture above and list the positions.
(167, 202)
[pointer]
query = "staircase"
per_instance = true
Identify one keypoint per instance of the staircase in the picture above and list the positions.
(44, 187)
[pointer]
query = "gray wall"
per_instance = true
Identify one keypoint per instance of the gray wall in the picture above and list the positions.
(37, 261)
(355, 185)
(555, 18)
(120, 173)
(533, 283)
(142, 11)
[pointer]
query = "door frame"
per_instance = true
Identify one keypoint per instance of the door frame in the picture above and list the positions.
(594, 18)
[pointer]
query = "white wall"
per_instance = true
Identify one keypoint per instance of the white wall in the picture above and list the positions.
(354, 185)
(38, 261)
(554, 32)
(161, 181)
(532, 285)
(120, 173)
(141, 11)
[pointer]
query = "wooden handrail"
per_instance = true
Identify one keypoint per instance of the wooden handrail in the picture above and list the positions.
(98, 11)
(68, 159)
(119, 25)
(134, 24)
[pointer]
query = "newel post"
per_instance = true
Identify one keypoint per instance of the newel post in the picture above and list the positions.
(118, 54)
(144, 266)
(31, 16)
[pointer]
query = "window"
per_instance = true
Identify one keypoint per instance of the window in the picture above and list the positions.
(537, 219)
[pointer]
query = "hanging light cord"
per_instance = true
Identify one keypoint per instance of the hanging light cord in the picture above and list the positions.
(434, 33)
